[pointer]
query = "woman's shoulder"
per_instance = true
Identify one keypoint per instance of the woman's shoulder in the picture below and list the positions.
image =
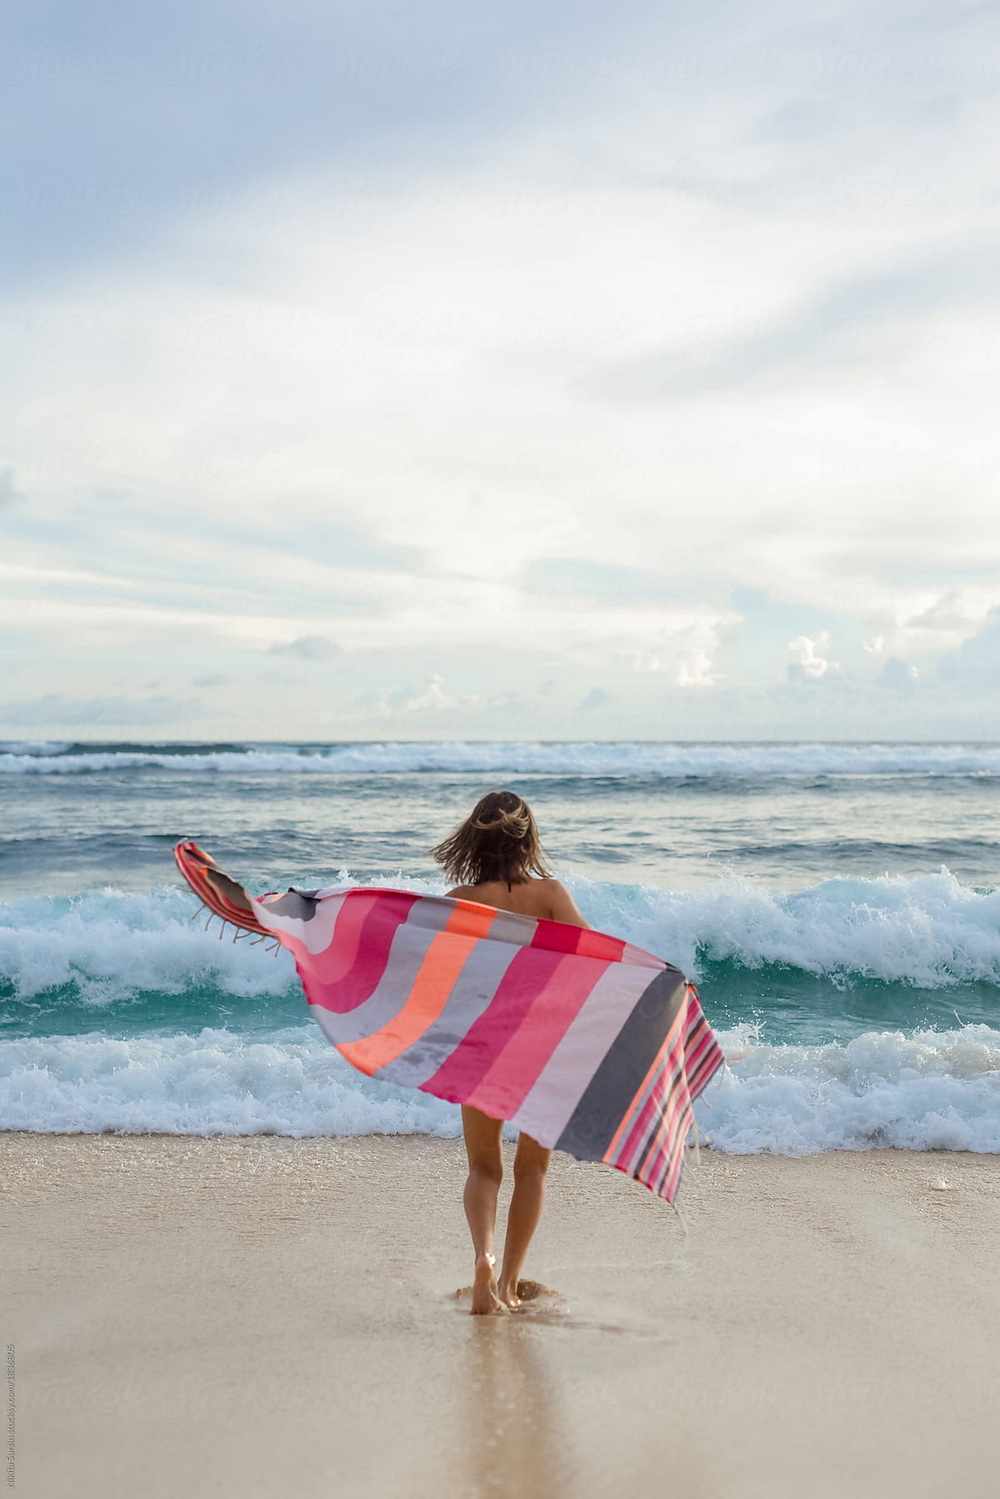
(541, 896)
(548, 886)
(561, 905)
(548, 897)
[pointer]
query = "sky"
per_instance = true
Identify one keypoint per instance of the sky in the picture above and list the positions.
(445, 370)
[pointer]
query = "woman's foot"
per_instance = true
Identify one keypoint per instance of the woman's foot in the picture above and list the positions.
(485, 1300)
(508, 1294)
(515, 1295)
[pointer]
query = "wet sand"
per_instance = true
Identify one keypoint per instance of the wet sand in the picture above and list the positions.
(244, 1317)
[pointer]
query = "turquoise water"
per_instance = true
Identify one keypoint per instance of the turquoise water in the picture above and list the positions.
(836, 904)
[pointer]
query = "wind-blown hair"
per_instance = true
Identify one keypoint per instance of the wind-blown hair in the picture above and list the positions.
(497, 841)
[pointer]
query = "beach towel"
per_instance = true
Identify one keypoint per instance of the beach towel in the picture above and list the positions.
(591, 1045)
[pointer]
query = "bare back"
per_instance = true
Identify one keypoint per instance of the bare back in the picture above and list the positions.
(545, 898)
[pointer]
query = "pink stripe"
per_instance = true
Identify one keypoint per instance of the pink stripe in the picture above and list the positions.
(698, 1057)
(529, 971)
(694, 1054)
(361, 941)
(669, 1141)
(640, 958)
(640, 1129)
(550, 1104)
(342, 951)
(670, 1154)
(662, 1163)
(663, 1142)
(516, 1070)
(559, 936)
(705, 1059)
(660, 1088)
(672, 1104)
(670, 1175)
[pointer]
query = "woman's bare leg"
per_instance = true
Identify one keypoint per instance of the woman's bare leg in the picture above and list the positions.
(531, 1162)
(482, 1146)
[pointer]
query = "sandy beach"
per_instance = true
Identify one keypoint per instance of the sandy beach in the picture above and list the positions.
(251, 1316)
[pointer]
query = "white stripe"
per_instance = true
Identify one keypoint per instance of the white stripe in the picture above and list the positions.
(315, 935)
(565, 1077)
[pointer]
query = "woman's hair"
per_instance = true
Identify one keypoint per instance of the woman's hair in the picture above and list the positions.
(497, 841)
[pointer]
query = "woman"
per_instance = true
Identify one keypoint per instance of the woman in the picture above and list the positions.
(497, 857)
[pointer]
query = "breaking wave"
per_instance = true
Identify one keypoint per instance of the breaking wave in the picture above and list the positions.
(117, 1012)
(927, 1091)
(576, 759)
(104, 948)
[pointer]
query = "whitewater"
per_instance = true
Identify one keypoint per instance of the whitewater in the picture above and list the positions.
(576, 759)
(836, 904)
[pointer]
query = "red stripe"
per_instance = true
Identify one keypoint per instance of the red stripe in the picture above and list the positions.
(512, 1076)
(528, 972)
(357, 954)
(192, 863)
(661, 1166)
(559, 936)
(640, 1129)
(702, 1060)
(661, 1083)
(663, 1138)
(672, 1154)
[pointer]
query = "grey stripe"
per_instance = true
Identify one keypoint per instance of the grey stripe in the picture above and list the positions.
(610, 1095)
(556, 1092)
(297, 905)
(407, 952)
(474, 989)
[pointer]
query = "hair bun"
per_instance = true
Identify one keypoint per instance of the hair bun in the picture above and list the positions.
(513, 821)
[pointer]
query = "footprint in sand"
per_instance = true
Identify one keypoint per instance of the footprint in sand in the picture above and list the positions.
(532, 1297)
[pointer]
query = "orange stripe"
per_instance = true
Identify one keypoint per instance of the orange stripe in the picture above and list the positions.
(628, 1118)
(443, 962)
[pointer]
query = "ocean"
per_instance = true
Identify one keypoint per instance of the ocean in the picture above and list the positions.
(838, 906)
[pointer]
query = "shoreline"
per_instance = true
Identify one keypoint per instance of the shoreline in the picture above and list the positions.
(244, 1315)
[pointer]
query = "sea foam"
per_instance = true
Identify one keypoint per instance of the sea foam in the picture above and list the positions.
(931, 1090)
(213, 1083)
(929, 931)
(173, 1030)
(928, 1091)
(106, 946)
(575, 759)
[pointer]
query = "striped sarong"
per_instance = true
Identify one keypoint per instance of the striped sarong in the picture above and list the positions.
(586, 1042)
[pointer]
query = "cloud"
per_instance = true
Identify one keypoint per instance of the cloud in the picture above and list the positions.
(265, 393)
(308, 648)
(679, 645)
(213, 679)
(431, 698)
(976, 665)
(836, 327)
(898, 675)
(695, 669)
(434, 700)
(165, 105)
(561, 577)
(55, 709)
(9, 493)
(467, 486)
(597, 697)
(955, 615)
(926, 620)
(811, 665)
